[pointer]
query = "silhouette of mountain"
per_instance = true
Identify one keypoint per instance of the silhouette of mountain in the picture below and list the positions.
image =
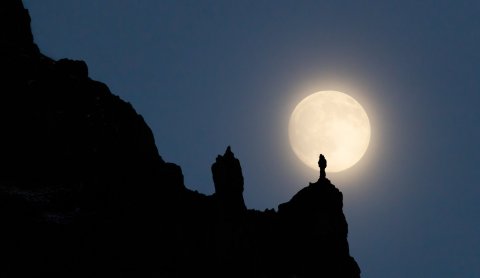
(84, 192)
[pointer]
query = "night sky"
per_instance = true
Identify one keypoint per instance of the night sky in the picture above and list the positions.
(207, 74)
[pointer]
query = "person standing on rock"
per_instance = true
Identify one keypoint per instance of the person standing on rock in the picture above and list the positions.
(322, 163)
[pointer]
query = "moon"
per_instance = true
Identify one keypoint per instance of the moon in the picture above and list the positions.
(331, 123)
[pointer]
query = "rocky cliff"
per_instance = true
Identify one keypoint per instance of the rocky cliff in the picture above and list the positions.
(84, 192)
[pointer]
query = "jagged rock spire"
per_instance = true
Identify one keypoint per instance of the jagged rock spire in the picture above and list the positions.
(227, 173)
(228, 180)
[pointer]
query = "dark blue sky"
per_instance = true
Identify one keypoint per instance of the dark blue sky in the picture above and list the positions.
(207, 74)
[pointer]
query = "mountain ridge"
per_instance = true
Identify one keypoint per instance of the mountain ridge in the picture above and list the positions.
(85, 192)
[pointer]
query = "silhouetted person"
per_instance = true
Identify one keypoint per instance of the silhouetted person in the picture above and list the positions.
(322, 163)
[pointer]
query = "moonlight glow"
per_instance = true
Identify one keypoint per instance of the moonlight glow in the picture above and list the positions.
(330, 123)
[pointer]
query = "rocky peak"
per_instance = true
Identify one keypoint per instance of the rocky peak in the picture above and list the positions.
(227, 174)
(314, 217)
(15, 26)
(228, 181)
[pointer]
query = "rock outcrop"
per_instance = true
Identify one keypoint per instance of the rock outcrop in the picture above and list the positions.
(84, 192)
(315, 219)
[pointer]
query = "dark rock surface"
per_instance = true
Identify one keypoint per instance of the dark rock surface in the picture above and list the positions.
(84, 192)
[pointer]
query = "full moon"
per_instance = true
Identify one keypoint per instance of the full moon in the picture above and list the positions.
(330, 123)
